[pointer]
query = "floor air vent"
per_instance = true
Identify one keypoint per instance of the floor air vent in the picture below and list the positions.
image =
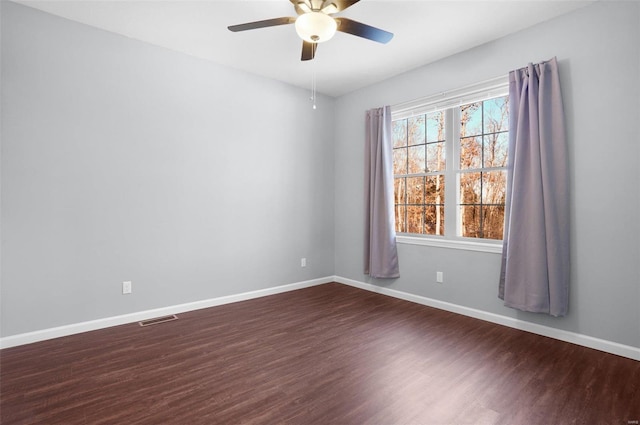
(158, 320)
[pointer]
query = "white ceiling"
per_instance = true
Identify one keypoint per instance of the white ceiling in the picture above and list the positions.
(425, 31)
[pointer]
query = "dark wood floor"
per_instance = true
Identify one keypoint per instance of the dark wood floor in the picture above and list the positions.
(330, 354)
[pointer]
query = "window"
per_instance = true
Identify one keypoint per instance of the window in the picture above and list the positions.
(418, 167)
(482, 174)
(449, 161)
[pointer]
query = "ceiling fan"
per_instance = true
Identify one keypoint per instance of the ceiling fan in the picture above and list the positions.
(315, 24)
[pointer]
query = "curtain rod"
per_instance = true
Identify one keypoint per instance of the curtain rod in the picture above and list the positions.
(486, 85)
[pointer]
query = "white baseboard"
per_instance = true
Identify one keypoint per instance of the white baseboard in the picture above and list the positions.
(42, 335)
(575, 338)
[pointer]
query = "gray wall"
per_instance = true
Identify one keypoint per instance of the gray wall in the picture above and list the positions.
(599, 55)
(124, 161)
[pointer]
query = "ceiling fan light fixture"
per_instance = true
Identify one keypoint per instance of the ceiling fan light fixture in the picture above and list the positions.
(315, 27)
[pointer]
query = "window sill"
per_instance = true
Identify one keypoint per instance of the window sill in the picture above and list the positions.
(494, 248)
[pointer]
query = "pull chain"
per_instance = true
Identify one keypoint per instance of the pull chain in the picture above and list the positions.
(313, 83)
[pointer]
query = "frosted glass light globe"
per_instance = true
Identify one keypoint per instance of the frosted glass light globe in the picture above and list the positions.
(315, 27)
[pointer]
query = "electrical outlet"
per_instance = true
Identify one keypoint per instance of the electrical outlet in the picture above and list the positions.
(439, 277)
(126, 287)
(303, 262)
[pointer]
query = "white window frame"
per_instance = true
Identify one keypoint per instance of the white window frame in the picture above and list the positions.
(449, 103)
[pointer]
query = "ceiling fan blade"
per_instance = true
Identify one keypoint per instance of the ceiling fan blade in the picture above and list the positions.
(262, 24)
(308, 50)
(363, 30)
(335, 6)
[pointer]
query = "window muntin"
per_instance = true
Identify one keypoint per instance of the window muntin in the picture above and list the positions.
(431, 153)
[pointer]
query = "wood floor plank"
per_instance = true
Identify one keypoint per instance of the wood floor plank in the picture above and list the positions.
(329, 354)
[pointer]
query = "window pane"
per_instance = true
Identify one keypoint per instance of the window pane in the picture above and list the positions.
(496, 115)
(435, 190)
(470, 221)
(399, 191)
(492, 222)
(436, 157)
(470, 188)
(415, 219)
(434, 220)
(471, 119)
(400, 161)
(399, 133)
(400, 218)
(495, 150)
(416, 130)
(470, 153)
(415, 190)
(435, 126)
(417, 159)
(494, 184)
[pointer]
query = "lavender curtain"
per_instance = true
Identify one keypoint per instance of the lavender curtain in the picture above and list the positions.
(381, 255)
(535, 257)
